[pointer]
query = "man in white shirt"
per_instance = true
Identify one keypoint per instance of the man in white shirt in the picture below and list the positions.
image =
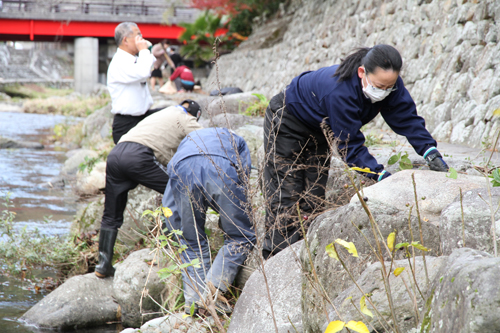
(128, 74)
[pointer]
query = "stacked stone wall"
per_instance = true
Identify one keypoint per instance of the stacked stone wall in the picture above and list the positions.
(449, 47)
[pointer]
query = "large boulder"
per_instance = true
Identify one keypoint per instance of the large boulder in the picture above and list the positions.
(252, 312)
(138, 289)
(10, 143)
(97, 126)
(235, 103)
(175, 323)
(231, 121)
(163, 104)
(3, 96)
(204, 101)
(90, 183)
(337, 193)
(350, 223)
(251, 264)
(402, 293)
(75, 158)
(249, 128)
(89, 217)
(476, 227)
(254, 137)
(464, 295)
(82, 301)
(435, 191)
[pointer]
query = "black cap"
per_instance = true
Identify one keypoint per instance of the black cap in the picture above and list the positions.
(193, 108)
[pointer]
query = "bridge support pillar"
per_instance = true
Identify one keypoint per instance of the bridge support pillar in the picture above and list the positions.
(86, 64)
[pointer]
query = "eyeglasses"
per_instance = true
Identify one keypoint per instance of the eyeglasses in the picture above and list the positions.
(394, 88)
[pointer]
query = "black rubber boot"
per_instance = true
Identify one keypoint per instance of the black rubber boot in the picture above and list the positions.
(107, 238)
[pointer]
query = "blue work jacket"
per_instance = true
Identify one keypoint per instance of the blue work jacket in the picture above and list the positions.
(214, 141)
(315, 95)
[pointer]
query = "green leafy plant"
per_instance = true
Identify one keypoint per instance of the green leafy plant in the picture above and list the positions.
(495, 178)
(372, 140)
(23, 248)
(90, 162)
(404, 161)
(7, 217)
(453, 173)
(486, 142)
(171, 240)
(258, 108)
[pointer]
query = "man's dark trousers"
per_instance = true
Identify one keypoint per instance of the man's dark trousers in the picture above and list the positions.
(295, 171)
(128, 165)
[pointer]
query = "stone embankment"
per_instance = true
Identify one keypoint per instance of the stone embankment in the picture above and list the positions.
(449, 48)
(34, 65)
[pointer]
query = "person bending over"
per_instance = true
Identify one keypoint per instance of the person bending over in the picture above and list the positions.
(183, 78)
(345, 97)
(140, 157)
(210, 169)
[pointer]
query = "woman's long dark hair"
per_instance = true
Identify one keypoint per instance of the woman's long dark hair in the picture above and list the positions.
(383, 56)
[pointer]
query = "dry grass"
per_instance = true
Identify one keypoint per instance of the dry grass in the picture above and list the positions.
(68, 106)
(34, 91)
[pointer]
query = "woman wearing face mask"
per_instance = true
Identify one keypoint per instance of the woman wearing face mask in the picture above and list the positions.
(345, 97)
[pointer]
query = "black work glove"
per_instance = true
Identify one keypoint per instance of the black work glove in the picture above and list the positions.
(435, 161)
(384, 174)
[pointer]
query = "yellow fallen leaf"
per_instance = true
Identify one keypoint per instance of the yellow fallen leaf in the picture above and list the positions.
(425, 219)
(390, 240)
(349, 246)
(364, 309)
(166, 211)
(357, 326)
(496, 112)
(184, 316)
(398, 271)
(335, 326)
(330, 250)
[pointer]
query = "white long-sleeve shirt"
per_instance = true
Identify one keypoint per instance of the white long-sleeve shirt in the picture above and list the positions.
(127, 82)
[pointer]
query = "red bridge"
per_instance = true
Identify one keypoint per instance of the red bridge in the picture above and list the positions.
(68, 19)
(91, 24)
(45, 30)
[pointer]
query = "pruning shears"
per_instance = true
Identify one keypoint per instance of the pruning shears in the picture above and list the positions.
(365, 170)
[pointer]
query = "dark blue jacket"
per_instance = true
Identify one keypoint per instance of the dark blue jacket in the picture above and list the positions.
(313, 96)
(215, 141)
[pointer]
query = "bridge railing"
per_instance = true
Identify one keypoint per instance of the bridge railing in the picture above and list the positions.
(151, 8)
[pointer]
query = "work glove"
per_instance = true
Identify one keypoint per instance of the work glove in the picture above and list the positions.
(383, 175)
(435, 160)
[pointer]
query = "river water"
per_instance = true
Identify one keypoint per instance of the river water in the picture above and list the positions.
(26, 174)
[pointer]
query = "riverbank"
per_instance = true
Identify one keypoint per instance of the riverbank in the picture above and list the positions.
(37, 250)
(135, 233)
(43, 203)
(36, 220)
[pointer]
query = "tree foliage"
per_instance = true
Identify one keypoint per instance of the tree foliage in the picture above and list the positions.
(199, 37)
(240, 13)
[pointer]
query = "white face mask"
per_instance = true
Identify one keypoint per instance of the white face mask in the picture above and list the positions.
(375, 94)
